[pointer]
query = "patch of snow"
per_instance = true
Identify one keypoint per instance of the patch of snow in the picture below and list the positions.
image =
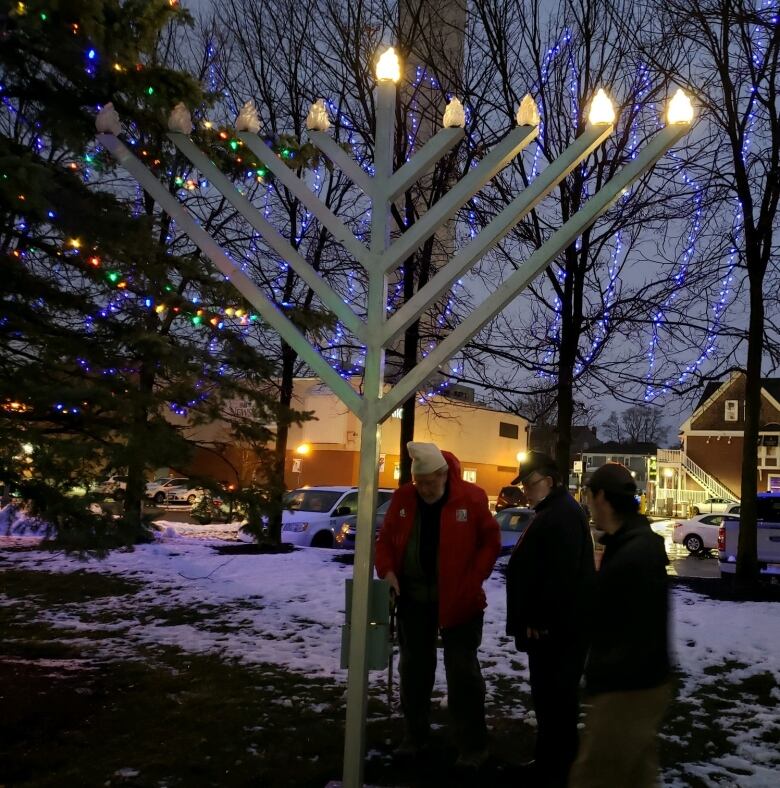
(287, 610)
(15, 521)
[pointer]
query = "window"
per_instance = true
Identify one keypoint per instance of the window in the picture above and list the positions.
(350, 501)
(470, 475)
(397, 471)
(311, 500)
(732, 410)
(506, 430)
(384, 497)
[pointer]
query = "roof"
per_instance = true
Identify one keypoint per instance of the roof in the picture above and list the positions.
(613, 447)
(770, 385)
(709, 390)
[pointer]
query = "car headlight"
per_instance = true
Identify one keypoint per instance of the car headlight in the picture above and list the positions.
(345, 528)
(295, 527)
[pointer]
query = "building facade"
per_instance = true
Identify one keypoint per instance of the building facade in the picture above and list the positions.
(710, 461)
(326, 449)
(638, 458)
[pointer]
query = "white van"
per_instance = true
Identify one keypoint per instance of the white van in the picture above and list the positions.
(313, 515)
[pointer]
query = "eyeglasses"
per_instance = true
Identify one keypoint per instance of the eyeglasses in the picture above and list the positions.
(528, 485)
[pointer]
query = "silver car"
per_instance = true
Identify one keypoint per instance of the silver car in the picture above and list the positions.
(345, 536)
(712, 505)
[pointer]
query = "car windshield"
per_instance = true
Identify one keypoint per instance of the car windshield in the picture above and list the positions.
(509, 520)
(311, 500)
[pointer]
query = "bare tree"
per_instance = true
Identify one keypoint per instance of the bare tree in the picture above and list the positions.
(728, 51)
(592, 295)
(637, 424)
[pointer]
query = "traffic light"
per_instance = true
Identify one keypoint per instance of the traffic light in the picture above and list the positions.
(652, 469)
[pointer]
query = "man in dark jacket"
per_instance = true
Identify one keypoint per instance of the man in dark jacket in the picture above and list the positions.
(549, 582)
(436, 547)
(627, 673)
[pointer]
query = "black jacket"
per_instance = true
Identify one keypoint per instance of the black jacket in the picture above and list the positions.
(629, 643)
(550, 574)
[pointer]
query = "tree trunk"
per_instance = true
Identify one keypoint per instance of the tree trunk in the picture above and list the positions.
(135, 491)
(747, 556)
(411, 341)
(571, 325)
(289, 357)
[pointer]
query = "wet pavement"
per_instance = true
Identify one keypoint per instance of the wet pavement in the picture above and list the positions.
(683, 564)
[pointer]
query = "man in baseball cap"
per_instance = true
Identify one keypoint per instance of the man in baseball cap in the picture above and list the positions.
(549, 581)
(628, 668)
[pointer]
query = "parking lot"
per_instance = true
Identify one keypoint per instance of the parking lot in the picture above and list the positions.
(683, 564)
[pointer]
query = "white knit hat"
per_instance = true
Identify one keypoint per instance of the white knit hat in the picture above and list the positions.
(426, 458)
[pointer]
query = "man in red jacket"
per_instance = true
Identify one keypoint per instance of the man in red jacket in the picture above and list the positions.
(436, 547)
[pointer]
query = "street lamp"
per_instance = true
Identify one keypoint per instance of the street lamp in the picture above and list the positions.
(522, 456)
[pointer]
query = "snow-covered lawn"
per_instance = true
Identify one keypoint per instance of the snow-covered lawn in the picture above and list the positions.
(286, 610)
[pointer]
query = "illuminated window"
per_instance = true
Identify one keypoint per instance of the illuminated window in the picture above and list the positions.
(470, 475)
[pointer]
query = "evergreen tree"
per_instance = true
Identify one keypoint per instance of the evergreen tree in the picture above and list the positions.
(107, 319)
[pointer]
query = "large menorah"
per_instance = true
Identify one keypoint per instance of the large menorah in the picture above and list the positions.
(377, 331)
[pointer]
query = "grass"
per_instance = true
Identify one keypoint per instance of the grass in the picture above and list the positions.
(159, 716)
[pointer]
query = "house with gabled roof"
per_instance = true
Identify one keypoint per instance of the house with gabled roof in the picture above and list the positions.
(709, 464)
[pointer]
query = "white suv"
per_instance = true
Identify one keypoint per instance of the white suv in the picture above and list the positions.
(158, 489)
(313, 515)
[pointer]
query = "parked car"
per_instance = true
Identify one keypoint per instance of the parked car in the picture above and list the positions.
(158, 489)
(513, 521)
(111, 485)
(767, 539)
(345, 536)
(184, 493)
(510, 496)
(698, 534)
(314, 515)
(710, 505)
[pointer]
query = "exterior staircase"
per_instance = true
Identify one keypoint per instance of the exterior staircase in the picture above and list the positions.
(713, 487)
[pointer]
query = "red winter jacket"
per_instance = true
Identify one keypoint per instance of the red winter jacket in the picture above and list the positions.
(469, 543)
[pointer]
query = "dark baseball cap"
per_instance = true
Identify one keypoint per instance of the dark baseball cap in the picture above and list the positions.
(614, 478)
(535, 461)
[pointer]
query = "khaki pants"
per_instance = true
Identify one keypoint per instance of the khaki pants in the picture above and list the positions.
(618, 747)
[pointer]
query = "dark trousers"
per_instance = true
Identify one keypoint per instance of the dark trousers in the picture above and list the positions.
(417, 636)
(556, 669)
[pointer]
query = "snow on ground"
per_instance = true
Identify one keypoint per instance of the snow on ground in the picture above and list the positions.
(287, 610)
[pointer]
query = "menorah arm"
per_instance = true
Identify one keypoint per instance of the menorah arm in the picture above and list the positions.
(501, 224)
(498, 157)
(342, 160)
(235, 275)
(212, 173)
(530, 269)
(443, 141)
(338, 229)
